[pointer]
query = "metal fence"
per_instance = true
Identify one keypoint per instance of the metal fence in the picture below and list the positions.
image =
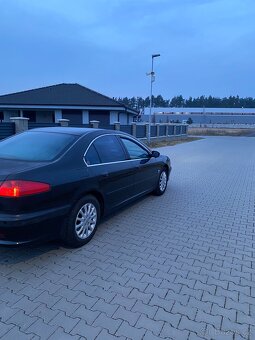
(6, 130)
(138, 130)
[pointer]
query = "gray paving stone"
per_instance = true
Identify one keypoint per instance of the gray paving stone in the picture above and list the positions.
(84, 299)
(190, 312)
(87, 331)
(59, 334)
(158, 302)
(150, 336)
(130, 331)
(197, 269)
(171, 332)
(85, 314)
(126, 315)
(205, 306)
(47, 299)
(66, 293)
(161, 292)
(196, 327)
(137, 284)
(118, 289)
(214, 320)
(22, 320)
(65, 306)
(126, 302)
(153, 280)
(224, 312)
(107, 308)
(245, 319)
(137, 295)
(219, 300)
(6, 312)
(104, 335)
(11, 298)
(26, 305)
(107, 323)
(66, 322)
(183, 299)
(15, 333)
(197, 294)
(214, 333)
(100, 293)
(171, 318)
(41, 329)
(4, 328)
(149, 324)
(236, 305)
(236, 328)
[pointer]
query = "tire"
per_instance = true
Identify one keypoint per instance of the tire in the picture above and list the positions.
(162, 183)
(76, 232)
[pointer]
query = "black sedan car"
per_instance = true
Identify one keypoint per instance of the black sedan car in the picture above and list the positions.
(59, 182)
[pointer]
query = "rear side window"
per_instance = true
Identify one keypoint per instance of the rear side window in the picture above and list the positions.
(92, 156)
(35, 146)
(108, 149)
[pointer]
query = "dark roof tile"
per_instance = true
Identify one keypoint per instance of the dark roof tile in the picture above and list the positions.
(59, 95)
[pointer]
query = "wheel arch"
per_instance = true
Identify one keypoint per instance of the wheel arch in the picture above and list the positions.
(98, 195)
(166, 167)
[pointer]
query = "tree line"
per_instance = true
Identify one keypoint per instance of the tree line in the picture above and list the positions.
(178, 101)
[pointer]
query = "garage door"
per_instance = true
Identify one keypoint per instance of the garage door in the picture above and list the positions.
(75, 116)
(102, 116)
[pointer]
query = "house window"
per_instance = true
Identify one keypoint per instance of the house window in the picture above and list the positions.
(1, 116)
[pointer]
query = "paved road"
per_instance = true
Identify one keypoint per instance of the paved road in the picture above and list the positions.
(179, 266)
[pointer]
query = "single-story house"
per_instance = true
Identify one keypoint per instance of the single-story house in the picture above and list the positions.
(75, 102)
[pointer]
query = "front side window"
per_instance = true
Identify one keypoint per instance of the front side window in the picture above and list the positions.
(134, 150)
(107, 148)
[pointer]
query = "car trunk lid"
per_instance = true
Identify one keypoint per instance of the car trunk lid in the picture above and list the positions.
(9, 166)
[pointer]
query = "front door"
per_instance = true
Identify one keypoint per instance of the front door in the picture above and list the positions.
(147, 169)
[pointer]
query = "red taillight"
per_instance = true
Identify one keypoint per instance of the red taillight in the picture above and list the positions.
(19, 188)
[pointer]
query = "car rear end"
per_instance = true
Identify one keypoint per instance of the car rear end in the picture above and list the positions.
(32, 201)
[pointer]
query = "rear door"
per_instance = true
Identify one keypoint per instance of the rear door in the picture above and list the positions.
(107, 163)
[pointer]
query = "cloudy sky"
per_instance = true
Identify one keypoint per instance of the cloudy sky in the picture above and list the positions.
(206, 46)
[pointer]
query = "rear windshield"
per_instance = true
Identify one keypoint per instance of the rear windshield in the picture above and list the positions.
(35, 146)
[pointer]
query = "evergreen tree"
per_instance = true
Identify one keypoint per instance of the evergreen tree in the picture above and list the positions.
(178, 101)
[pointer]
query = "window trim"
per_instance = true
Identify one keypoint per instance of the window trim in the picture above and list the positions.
(122, 145)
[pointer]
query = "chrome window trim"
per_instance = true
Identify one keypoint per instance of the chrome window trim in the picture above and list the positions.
(116, 135)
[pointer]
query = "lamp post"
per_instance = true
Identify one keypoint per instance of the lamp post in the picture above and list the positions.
(152, 74)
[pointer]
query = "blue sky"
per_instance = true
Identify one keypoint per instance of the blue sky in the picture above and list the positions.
(206, 46)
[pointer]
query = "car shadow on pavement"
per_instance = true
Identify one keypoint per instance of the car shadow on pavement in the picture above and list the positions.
(23, 253)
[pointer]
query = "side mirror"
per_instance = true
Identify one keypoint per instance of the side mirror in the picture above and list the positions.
(155, 154)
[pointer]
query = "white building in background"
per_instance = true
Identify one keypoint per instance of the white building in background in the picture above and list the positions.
(201, 115)
(200, 110)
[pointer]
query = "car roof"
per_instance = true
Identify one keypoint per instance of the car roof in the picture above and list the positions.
(72, 130)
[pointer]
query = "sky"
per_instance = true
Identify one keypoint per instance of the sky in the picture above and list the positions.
(206, 47)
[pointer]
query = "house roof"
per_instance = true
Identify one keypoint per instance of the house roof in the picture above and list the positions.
(60, 95)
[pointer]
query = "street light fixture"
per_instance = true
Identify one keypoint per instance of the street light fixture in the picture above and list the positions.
(152, 74)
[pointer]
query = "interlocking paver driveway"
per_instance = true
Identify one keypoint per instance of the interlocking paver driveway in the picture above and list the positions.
(179, 266)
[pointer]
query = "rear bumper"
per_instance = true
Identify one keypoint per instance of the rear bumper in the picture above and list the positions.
(29, 227)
